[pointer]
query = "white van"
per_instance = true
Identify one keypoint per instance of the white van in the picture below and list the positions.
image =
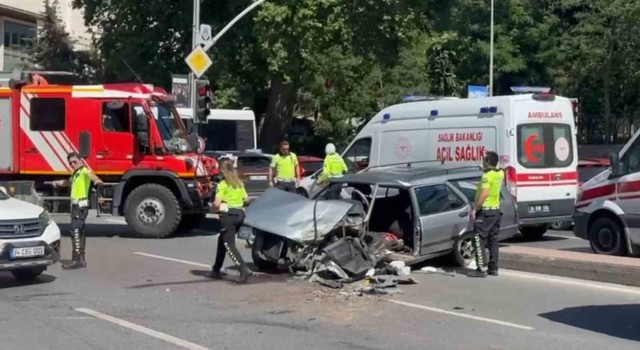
(608, 206)
(226, 129)
(534, 135)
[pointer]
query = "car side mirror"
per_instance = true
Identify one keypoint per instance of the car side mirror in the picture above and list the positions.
(142, 123)
(616, 165)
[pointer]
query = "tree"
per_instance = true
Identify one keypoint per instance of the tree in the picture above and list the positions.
(53, 48)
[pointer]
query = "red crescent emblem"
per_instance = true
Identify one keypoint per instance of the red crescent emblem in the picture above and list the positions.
(530, 149)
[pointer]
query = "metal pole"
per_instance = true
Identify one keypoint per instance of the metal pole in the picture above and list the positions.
(230, 24)
(192, 77)
(491, 55)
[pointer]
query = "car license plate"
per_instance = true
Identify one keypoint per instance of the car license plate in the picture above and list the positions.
(258, 177)
(27, 252)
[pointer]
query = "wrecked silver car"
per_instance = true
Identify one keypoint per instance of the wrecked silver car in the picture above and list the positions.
(406, 214)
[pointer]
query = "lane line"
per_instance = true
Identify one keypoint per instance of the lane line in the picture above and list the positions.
(150, 332)
(172, 259)
(561, 236)
(571, 281)
(457, 314)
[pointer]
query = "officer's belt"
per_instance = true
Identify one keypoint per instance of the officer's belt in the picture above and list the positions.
(490, 208)
(285, 180)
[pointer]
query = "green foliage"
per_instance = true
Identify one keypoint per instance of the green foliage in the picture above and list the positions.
(342, 61)
(53, 49)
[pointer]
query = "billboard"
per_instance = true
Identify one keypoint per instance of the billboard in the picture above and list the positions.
(475, 91)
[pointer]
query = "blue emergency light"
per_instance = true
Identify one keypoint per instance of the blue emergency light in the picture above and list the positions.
(386, 116)
(493, 109)
(484, 110)
(434, 112)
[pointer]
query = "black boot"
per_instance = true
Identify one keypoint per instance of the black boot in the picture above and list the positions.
(76, 260)
(245, 273)
(477, 273)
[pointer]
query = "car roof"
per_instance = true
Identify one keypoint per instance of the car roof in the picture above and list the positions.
(410, 176)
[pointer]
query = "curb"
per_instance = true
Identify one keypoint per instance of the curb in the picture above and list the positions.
(581, 269)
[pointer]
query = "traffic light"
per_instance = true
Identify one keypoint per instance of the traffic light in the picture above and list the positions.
(203, 101)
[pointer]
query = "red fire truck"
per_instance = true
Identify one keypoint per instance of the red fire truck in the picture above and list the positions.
(130, 135)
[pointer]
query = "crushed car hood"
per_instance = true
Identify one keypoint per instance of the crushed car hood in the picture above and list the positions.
(291, 215)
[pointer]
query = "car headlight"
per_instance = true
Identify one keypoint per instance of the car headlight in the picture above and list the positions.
(183, 145)
(44, 218)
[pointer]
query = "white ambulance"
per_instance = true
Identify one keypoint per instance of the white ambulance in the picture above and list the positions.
(534, 135)
(608, 206)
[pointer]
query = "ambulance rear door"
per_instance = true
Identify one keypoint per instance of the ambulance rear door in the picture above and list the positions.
(545, 168)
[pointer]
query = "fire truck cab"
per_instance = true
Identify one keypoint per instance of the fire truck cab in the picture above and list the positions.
(129, 134)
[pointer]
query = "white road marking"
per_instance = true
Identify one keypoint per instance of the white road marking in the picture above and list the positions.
(561, 236)
(571, 281)
(172, 259)
(471, 317)
(150, 332)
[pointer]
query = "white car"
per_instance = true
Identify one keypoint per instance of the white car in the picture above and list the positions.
(29, 239)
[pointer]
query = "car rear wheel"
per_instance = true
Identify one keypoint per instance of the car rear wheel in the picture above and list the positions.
(26, 275)
(606, 237)
(302, 192)
(533, 232)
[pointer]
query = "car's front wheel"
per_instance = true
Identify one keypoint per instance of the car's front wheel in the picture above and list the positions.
(606, 237)
(29, 274)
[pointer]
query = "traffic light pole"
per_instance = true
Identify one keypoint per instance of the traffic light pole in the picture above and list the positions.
(193, 96)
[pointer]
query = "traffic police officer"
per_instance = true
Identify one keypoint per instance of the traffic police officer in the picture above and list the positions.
(231, 197)
(287, 170)
(334, 166)
(487, 216)
(80, 182)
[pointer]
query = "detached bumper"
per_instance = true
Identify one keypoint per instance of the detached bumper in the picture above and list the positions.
(51, 255)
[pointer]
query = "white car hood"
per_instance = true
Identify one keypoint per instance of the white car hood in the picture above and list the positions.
(14, 209)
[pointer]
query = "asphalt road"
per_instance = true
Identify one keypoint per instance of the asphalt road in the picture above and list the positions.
(150, 294)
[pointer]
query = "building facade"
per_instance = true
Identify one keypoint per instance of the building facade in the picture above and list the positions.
(18, 27)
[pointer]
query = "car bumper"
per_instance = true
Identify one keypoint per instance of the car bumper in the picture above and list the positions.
(559, 210)
(580, 225)
(49, 239)
(51, 255)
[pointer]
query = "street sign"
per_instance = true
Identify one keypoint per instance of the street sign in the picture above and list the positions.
(205, 34)
(198, 61)
(475, 91)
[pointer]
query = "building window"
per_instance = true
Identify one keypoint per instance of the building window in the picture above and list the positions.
(47, 114)
(18, 36)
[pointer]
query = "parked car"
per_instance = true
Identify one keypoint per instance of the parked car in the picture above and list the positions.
(587, 169)
(309, 165)
(29, 239)
(252, 166)
(426, 208)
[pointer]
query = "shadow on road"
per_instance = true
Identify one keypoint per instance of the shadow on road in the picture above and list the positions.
(523, 239)
(579, 250)
(8, 281)
(621, 321)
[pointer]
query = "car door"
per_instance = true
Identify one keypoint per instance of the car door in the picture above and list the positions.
(509, 223)
(443, 216)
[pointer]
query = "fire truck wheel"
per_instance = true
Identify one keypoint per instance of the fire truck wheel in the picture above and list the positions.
(190, 222)
(152, 211)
